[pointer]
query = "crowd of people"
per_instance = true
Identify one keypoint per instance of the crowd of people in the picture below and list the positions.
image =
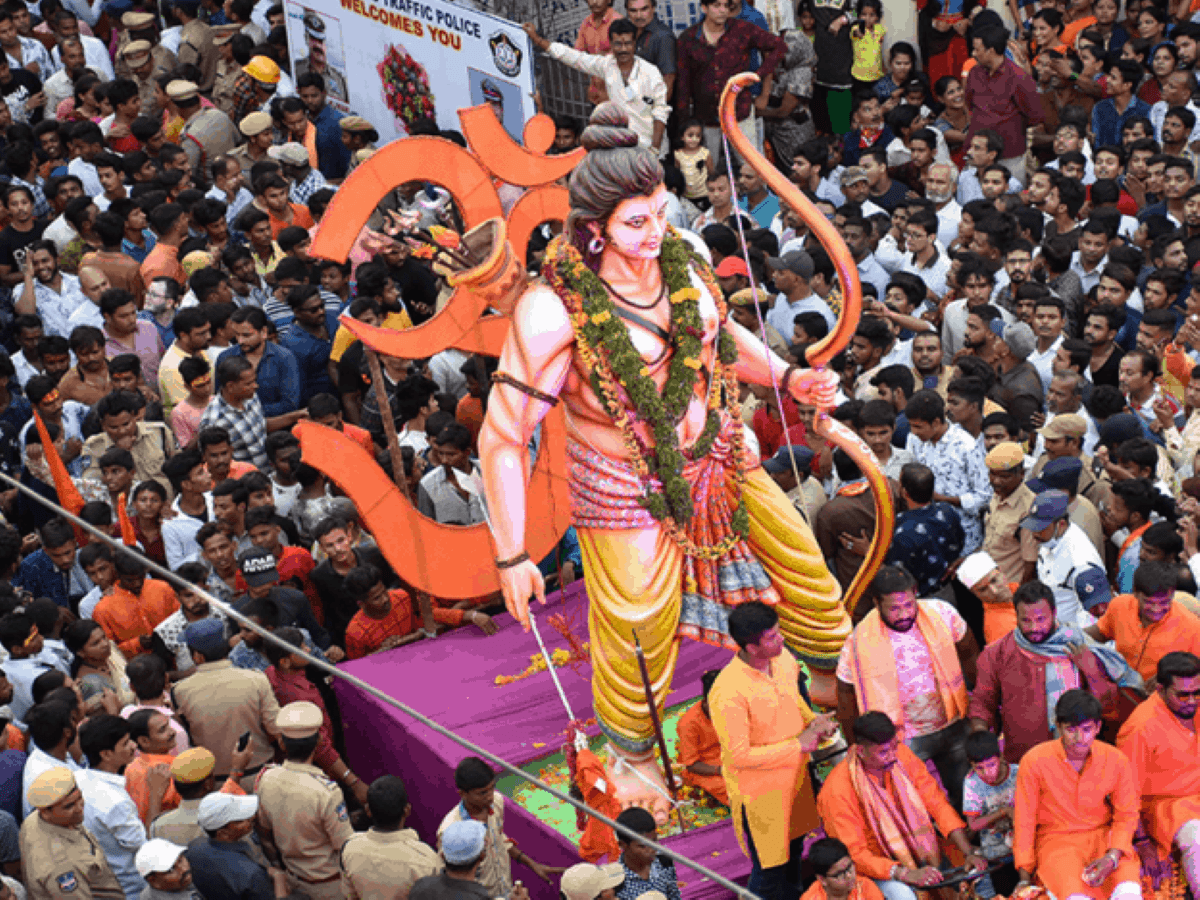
(1023, 210)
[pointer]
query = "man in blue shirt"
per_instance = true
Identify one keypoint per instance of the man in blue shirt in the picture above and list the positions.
(54, 571)
(762, 205)
(1109, 116)
(222, 868)
(333, 157)
(310, 338)
(277, 370)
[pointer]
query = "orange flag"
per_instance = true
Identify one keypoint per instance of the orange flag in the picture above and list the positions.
(128, 535)
(69, 497)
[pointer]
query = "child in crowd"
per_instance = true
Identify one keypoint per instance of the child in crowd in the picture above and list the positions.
(695, 162)
(866, 38)
(989, 792)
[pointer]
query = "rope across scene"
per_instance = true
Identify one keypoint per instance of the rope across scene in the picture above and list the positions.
(173, 579)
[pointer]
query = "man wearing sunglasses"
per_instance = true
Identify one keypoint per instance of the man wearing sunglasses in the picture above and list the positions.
(1160, 741)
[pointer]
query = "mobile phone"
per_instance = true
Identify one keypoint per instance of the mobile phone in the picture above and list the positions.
(243, 741)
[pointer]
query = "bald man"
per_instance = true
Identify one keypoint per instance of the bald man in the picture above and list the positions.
(93, 282)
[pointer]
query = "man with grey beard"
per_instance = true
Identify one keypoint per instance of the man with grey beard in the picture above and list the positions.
(941, 184)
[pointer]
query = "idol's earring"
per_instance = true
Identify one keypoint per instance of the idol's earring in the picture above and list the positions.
(596, 245)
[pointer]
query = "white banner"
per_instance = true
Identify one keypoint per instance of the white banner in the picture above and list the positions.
(394, 62)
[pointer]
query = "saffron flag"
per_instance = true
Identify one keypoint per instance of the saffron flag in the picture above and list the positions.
(69, 497)
(128, 535)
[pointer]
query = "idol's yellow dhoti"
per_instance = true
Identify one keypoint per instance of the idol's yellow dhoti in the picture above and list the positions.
(637, 577)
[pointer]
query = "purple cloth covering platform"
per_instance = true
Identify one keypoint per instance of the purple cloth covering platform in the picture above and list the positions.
(452, 681)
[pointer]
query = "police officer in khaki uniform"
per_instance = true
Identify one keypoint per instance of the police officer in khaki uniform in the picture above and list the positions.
(60, 857)
(196, 42)
(138, 60)
(207, 132)
(143, 26)
(385, 861)
(358, 134)
(219, 703)
(260, 136)
(318, 59)
(227, 69)
(302, 814)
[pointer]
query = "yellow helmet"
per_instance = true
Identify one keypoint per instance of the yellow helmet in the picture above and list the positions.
(262, 68)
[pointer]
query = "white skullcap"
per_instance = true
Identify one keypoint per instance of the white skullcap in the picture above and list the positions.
(974, 568)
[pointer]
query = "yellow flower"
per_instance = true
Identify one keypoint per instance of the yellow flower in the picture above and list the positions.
(683, 295)
(692, 363)
(601, 317)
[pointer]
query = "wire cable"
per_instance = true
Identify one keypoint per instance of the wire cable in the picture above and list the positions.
(173, 579)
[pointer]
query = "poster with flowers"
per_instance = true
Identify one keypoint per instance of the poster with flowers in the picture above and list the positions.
(407, 61)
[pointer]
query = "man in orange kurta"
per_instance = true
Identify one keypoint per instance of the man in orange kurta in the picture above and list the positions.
(1162, 741)
(136, 605)
(155, 740)
(1149, 623)
(767, 732)
(700, 747)
(882, 803)
(1076, 810)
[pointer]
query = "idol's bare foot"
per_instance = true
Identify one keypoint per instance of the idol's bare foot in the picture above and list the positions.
(649, 791)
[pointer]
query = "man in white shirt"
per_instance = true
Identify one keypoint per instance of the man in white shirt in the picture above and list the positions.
(1177, 90)
(55, 294)
(924, 258)
(51, 733)
(109, 813)
(23, 51)
(793, 274)
(1066, 556)
(1049, 317)
(941, 183)
(632, 83)
(229, 186)
(856, 233)
(66, 25)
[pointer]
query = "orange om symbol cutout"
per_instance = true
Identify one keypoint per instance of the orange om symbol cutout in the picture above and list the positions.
(443, 560)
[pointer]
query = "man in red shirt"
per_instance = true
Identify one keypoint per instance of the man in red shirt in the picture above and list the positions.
(386, 619)
(1002, 98)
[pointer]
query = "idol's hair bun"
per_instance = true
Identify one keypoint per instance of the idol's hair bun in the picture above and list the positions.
(608, 129)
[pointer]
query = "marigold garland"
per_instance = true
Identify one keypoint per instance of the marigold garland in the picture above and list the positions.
(618, 372)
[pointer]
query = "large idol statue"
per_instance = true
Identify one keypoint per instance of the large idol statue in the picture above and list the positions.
(677, 524)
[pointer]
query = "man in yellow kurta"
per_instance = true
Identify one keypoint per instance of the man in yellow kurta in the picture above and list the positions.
(767, 732)
(1162, 741)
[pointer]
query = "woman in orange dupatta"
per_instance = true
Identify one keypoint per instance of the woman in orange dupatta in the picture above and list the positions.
(836, 877)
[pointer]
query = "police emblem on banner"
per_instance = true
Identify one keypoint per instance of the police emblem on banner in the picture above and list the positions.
(506, 54)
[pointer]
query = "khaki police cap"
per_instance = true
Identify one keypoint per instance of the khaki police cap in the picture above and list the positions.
(183, 90)
(299, 720)
(136, 53)
(223, 34)
(255, 123)
(193, 765)
(356, 124)
(135, 21)
(50, 787)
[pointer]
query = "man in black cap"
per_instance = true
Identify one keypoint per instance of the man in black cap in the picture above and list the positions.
(792, 274)
(318, 61)
(806, 495)
(1062, 474)
(258, 570)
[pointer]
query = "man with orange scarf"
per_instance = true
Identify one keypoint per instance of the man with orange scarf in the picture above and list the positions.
(882, 803)
(912, 659)
(1076, 810)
